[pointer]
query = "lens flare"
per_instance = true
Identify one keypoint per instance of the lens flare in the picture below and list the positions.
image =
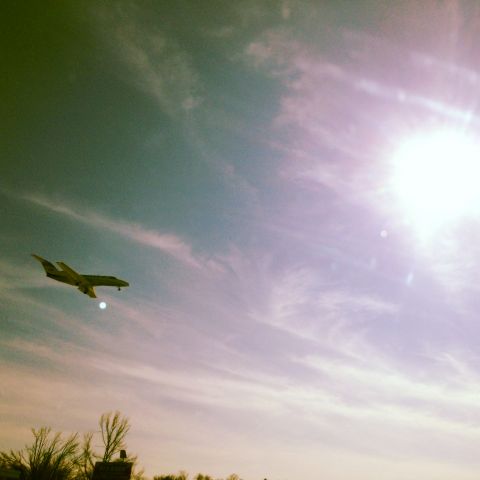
(102, 305)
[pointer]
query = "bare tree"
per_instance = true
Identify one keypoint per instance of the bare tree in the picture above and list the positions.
(114, 429)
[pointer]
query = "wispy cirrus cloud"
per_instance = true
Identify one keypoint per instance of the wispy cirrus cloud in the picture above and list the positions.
(338, 119)
(157, 64)
(382, 399)
(341, 402)
(303, 303)
(167, 243)
(376, 381)
(13, 276)
(315, 338)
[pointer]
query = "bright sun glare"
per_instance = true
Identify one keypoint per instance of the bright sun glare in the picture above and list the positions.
(437, 178)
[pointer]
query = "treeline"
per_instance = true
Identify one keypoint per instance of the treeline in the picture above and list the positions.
(53, 457)
(199, 476)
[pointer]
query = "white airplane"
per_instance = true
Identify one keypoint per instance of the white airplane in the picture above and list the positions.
(85, 283)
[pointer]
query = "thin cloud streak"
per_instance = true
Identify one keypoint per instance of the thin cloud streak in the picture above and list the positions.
(393, 386)
(168, 243)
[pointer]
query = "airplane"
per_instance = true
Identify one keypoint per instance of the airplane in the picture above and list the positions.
(85, 283)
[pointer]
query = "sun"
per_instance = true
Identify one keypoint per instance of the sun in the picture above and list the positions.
(436, 179)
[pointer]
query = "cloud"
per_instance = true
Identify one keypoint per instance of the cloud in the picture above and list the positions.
(201, 382)
(286, 10)
(384, 391)
(14, 276)
(375, 381)
(301, 302)
(318, 410)
(339, 116)
(158, 65)
(289, 353)
(167, 243)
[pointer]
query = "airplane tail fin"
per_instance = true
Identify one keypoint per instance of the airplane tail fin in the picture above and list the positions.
(48, 267)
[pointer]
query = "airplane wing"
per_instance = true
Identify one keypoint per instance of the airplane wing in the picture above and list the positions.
(78, 280)
(74, 276)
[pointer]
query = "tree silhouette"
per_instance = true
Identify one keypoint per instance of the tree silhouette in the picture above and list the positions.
(48, 458)
(51, 457)
(200, 476)
(114, 429)
(181, 476)
(86, 459)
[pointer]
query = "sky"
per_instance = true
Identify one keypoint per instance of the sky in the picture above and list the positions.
(289, 187)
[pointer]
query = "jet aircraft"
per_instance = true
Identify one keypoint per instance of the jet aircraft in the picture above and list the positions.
(85, 283)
